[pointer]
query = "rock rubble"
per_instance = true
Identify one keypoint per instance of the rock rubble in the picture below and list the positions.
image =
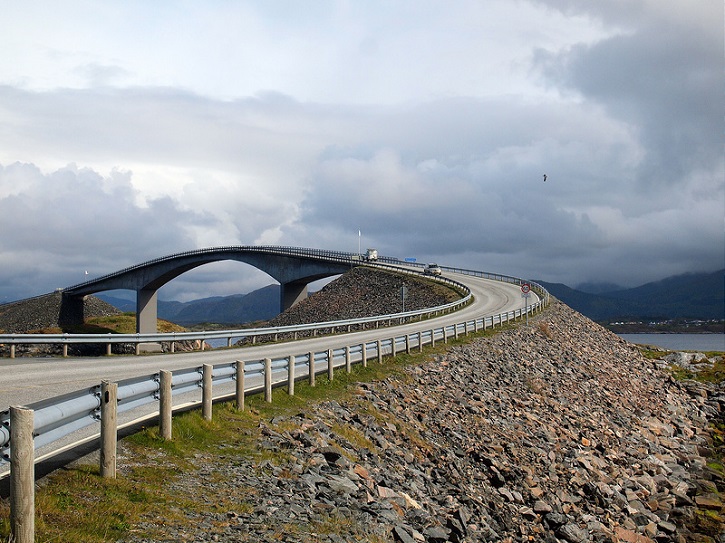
(362, 292)
(554, 432)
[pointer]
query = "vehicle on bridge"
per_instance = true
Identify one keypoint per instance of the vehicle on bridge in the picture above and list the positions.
(371, 254)
(433, 269)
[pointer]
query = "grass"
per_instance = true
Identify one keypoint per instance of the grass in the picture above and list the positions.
(76, 504)
(125, 323)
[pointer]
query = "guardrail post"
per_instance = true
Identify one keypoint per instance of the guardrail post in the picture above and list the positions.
(109, 429)
(380, 351)
(240, 385)
(173, 347)
(12, 350)
(65, 350)
(206, 391)
(420, 342)
(455, 331)
(108, 349)
(311, 366)
(330, 364)
(165, 403)
(291, 375)
(268, 380)
(445, 334)
(22, 475)
(432, 337)
(393, 351)
(348, 366)
(364, 352)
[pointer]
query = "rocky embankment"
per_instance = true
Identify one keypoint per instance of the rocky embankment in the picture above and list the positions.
(362, 292)
(554, 432)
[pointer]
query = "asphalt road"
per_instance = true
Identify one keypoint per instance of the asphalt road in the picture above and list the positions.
(27, 380)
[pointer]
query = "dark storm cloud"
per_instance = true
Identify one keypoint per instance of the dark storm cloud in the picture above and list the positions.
(659, 78)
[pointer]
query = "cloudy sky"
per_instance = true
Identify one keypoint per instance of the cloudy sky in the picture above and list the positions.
(132, 130)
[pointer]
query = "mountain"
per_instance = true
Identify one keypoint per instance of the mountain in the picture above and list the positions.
(690, 296)
(262, 304)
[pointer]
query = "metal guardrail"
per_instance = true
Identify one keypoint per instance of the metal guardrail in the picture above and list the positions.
(231, 335)
(60, 416)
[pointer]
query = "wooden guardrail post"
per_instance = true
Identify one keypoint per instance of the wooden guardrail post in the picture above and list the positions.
(311, 365)
(268, 380)
(109, 429)
(165, 403)
(364, 353)
(348, 363)
(22, 475)
(380, 351)
(420, 341)
(291, 375)
(330, 364)
(393, 351)
(432, 337)
(240, 385)
(206, 391)
(12, 350)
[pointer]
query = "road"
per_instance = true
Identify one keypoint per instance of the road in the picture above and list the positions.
(27, 380)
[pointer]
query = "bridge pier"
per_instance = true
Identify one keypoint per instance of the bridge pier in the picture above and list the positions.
(146, 310)
(71, 310)
(291, 293)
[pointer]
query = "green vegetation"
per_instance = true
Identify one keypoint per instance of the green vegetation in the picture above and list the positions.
(76, 504)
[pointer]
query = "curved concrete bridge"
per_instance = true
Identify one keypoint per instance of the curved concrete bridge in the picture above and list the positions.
(294, 268)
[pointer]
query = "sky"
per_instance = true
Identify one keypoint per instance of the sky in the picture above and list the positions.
(133, 130)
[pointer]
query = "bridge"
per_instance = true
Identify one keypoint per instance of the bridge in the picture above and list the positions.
(294, 268)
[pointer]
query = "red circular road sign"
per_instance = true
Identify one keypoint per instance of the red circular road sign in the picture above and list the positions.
(525, 288)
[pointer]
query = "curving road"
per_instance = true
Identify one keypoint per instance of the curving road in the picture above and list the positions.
(27, 380)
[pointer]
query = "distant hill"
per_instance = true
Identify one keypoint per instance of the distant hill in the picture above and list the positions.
(262, 304)
(691, 296)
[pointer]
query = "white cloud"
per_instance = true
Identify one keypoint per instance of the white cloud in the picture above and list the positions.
(136, 130)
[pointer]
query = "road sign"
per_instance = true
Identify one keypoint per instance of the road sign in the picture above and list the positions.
(525, 288)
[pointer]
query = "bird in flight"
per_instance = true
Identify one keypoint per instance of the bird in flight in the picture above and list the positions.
(545, 177)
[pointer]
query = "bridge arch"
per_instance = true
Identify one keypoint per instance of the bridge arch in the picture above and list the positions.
(293, 268)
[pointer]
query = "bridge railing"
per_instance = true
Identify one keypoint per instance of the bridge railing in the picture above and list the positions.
(247, 333)
(58, 417)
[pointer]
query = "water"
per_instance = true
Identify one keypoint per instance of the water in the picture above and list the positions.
(680, 342)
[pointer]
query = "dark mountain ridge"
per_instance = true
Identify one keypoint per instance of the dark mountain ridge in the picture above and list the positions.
(687, 296)
(261, 304)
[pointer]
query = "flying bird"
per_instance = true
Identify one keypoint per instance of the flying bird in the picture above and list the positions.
(545, 178)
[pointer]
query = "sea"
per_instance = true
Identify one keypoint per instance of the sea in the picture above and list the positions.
(680, 342)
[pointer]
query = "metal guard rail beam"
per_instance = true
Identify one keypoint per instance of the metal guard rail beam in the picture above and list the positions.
(230, 335)
(62, 415)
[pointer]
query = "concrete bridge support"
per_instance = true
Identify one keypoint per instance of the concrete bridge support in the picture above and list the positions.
(291, 293)
(71, 310)
(146, 310)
